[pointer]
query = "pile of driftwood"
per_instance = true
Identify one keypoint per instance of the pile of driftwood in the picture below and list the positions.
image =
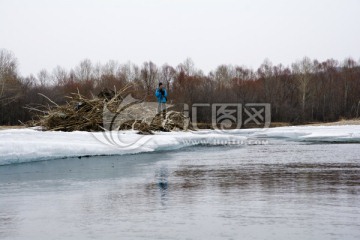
(110, 110)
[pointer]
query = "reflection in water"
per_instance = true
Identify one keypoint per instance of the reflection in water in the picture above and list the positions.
(163, 183)
(5, 223)
(8, 222)
(298, 177)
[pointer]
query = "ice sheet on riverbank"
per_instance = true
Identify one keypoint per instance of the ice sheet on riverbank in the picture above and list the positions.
(346, 133)
(26, 145)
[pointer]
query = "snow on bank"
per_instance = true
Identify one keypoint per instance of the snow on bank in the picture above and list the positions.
(345, 134)
(26, 145)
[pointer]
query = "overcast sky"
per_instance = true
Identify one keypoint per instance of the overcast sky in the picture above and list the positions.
(46, 33)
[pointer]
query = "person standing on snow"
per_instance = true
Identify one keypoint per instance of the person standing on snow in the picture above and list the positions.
(161, 95)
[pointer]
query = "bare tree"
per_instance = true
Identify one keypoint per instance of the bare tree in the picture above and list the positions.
(149, 74)
(224, 74)
(83, 72)
(44, 78)
(168, 74)
(349, 66)
(303, 70)
(97, 73)
(60, 75)
(266, 74)
(110, 68)
(131, 73)
(9, 83)
(242, 76)
(188, 68)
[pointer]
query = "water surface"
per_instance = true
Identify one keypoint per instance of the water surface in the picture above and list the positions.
(282, 190)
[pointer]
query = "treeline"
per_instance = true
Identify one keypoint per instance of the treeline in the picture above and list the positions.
(308, 90)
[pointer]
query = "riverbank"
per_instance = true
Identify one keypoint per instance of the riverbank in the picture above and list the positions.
(342, 122)
(338, 123)
(11, 127)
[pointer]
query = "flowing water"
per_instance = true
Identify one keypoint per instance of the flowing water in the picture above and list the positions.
(279, 190)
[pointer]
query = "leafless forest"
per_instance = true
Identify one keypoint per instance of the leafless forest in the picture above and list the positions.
(305, 91)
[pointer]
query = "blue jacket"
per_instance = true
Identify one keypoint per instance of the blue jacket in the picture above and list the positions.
(161, 98)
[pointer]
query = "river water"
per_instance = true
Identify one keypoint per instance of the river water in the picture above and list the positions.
(278, 190)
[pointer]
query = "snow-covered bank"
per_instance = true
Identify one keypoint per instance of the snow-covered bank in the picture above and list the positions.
(25, 145)
(345, 133)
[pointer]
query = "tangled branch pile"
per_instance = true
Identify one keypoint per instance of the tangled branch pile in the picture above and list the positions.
(108, 111)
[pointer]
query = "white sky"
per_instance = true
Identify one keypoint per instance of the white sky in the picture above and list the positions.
(47, 33)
